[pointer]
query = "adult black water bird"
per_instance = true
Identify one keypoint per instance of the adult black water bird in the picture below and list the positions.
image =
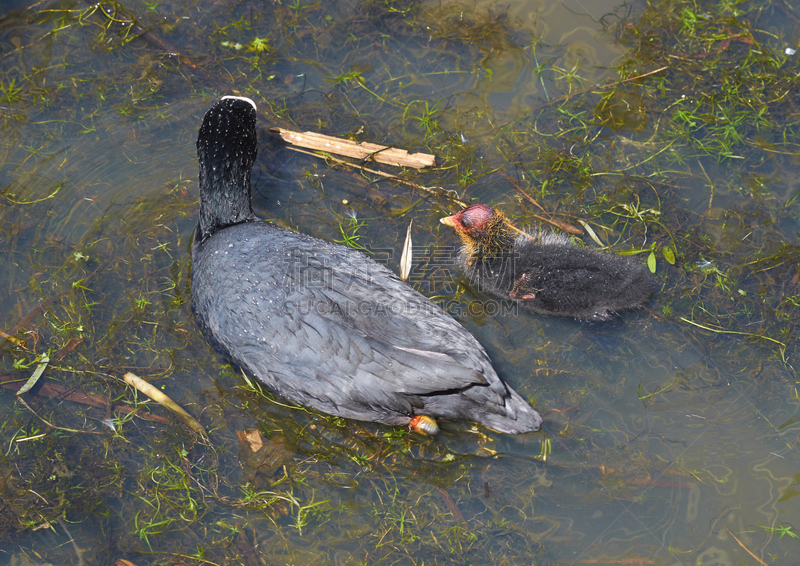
(321, 324)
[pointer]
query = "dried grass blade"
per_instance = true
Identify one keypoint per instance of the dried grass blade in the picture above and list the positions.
(591, 233)
(406, 258)
(44, 359)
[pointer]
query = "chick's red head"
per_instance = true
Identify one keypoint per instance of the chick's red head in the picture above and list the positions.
(472, 222)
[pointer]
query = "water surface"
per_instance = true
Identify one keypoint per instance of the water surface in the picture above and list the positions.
(670, 434)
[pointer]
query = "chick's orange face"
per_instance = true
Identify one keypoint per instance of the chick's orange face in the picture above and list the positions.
(472, 221)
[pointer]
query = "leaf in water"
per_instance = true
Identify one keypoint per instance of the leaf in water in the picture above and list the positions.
(405, 259)
(669, 255)
(591, 233)
(37, 373)
(651, 262)
(253, 439)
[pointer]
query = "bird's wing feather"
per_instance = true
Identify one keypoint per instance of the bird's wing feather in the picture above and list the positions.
(356, 345)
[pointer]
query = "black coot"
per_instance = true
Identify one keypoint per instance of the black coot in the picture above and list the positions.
(322, 324)
(545, 272)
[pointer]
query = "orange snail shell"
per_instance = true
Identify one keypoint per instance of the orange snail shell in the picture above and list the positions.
(424, 424)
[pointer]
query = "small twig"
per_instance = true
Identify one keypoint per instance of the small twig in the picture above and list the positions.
(381, 173)
(523, 193)
(48, 423)
(744, 547)
(557, 223)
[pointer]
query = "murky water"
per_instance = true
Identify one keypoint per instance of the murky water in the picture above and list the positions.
(670, 435)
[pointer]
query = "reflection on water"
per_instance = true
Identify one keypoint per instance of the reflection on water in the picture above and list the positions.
(670, 435)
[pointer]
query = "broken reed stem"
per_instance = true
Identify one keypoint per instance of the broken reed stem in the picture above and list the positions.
(162, 399)
(349, 148)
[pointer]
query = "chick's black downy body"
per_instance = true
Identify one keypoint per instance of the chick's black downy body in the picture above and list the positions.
(546, 273)
(322, 324)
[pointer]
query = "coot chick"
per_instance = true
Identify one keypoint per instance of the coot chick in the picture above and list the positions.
(545, 272)
(322, 324)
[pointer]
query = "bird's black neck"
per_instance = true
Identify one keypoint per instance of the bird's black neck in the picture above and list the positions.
(226, 151)
(224, 202)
